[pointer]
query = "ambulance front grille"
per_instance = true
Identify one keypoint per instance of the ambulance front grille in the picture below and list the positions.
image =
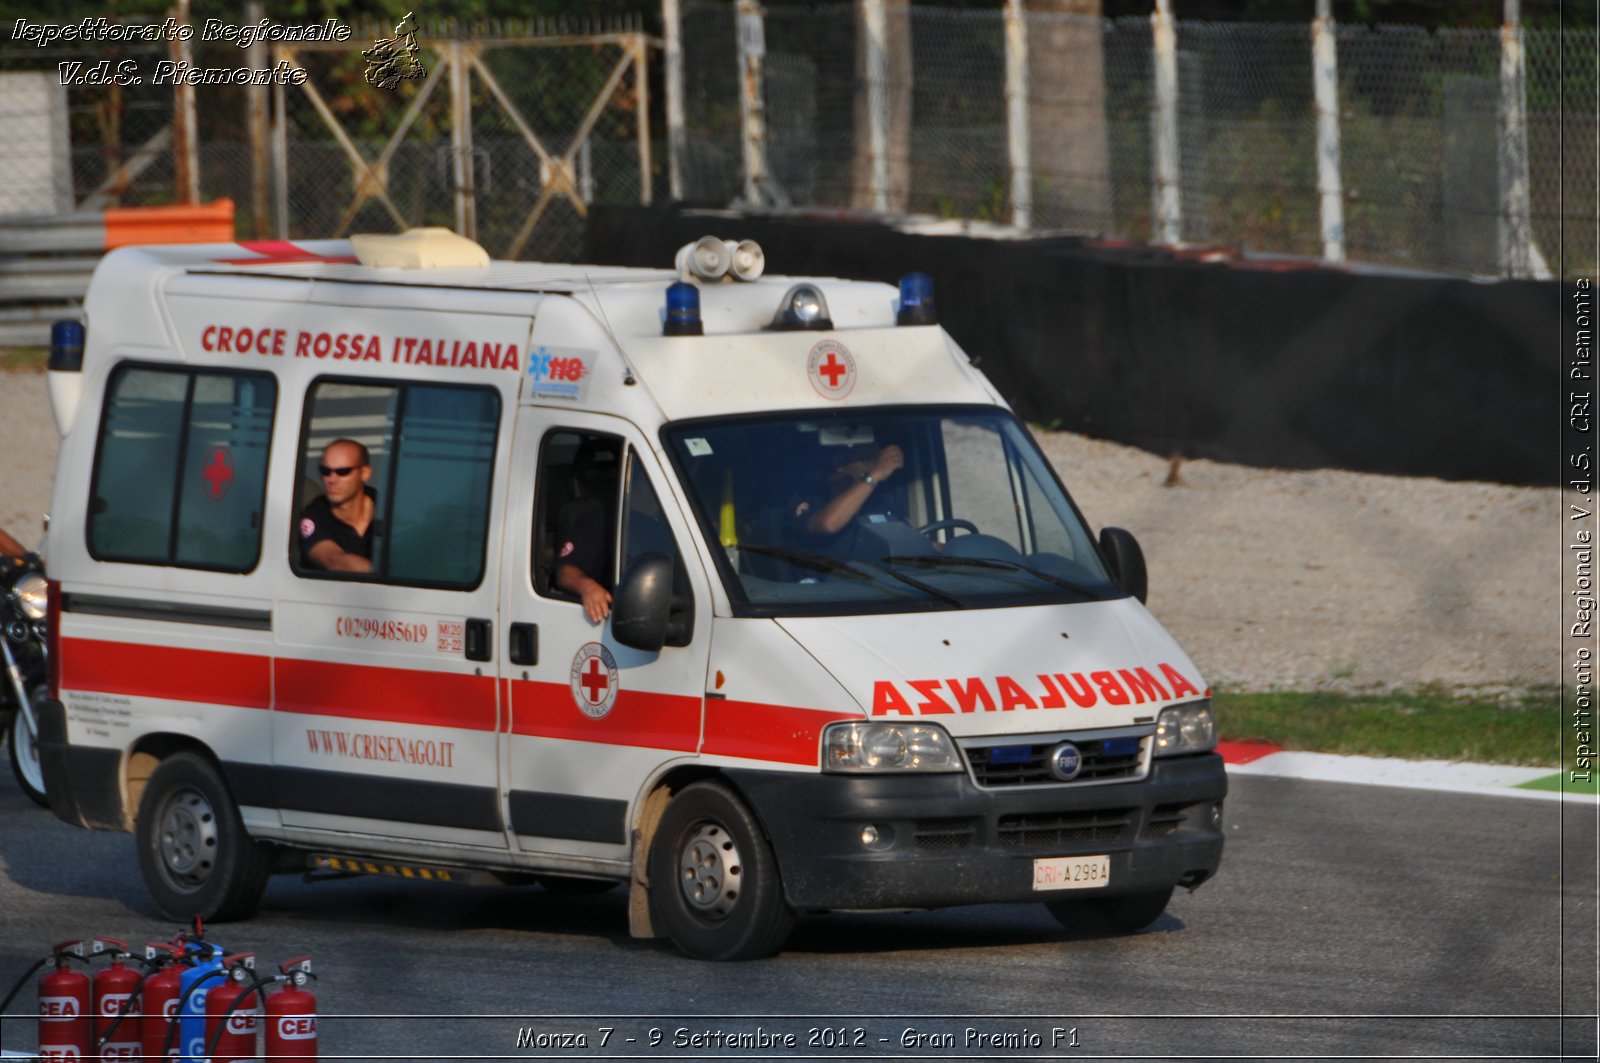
(1165, 820)
(1106, 757)
(941, 835)
(1100, 827)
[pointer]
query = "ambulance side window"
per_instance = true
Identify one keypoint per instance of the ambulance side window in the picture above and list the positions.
(180, 468)
(432, 450)
(575, 514)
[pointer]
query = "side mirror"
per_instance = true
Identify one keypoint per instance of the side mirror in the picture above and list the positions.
(1122, 553)
(642, 604)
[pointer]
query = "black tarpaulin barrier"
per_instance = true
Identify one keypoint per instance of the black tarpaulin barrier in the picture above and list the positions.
(1254, 361)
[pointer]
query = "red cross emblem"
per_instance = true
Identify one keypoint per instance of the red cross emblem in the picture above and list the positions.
(832, 369)
(594, 680)
(218, 473)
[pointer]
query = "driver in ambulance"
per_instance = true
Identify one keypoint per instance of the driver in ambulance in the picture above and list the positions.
(825, 517)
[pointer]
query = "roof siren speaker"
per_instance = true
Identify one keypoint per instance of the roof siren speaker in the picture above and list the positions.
(707, 259)
(748, 260)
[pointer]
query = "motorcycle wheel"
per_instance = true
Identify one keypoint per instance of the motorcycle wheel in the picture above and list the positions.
(25, 762)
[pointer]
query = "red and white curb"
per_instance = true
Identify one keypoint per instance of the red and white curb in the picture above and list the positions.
(1263, 758)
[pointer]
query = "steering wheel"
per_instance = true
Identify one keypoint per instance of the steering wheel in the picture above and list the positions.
(953, 522)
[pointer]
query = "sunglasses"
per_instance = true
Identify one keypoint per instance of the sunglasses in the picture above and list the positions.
(329, 470)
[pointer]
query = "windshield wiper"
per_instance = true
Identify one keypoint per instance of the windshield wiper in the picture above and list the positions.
(931, 591)
(808, 559)
(850, 569)
(941, 560)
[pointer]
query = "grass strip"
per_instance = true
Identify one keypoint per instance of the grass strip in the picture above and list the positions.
(1412, 725)
(29, 358)
(1564, 783)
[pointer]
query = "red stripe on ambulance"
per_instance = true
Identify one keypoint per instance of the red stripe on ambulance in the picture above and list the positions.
(781, 733)
(638, 717)
(277, 252)
(393, 695)
(238, 679)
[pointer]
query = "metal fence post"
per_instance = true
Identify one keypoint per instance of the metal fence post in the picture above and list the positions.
(672, 60)
(874, 34)
(752, 105)
(1325, 82)
(185, 149)
(1017, 133)
(1164, 126)
(641, 81)
(1516, 221)
(280, 157)
(256, 123)
(461, 168)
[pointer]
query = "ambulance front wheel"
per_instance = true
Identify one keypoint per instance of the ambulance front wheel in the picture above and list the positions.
(714, 882)
(1105, 916)
(194, 852)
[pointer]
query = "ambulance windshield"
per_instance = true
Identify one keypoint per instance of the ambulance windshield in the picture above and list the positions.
(881, 510)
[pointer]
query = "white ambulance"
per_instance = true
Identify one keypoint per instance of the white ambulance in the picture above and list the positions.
(862, 651)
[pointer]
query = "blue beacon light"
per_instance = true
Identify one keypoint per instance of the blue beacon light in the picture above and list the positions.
(916, 301)
(683, 311)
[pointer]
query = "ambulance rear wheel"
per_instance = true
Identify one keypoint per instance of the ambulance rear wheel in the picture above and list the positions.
(1105, 916)
(194, 852)
(714, 882)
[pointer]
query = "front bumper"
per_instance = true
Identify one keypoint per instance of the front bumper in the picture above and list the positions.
(943, 840)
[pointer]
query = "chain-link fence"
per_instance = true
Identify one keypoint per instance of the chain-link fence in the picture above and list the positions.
(554, 124)
(1420, 123)
(1420, 126)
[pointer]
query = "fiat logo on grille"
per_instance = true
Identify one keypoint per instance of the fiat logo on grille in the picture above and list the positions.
(1065, 762)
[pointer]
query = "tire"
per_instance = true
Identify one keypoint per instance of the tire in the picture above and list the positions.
(24, 752)
(196, 857)
(1108, 916)
(568, 886)
(714, 883)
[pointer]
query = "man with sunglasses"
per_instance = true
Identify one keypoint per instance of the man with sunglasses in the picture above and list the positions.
(336, 528)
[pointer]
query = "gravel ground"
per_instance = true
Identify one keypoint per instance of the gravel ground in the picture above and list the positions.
(1271, 579)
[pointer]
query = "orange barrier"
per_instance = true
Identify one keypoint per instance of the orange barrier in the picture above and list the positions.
(207, 223)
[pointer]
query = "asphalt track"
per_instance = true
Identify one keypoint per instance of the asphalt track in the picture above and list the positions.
(1349, 920)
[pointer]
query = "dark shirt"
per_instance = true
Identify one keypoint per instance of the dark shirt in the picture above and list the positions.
(581, 538)
(317, 523)
(798, 512)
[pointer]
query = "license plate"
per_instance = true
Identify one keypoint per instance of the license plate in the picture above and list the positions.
(1071, 872)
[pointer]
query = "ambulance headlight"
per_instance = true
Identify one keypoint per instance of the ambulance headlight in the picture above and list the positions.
(803, 307)
(32, 593)
(860, 746)
(1185, 729)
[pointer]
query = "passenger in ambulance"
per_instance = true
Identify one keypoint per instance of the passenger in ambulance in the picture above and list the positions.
(825, 517)
(583, 538)
(336, 528)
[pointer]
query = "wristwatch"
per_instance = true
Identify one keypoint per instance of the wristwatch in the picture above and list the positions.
(868, 479)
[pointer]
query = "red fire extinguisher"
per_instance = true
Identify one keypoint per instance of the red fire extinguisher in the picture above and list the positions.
(159, 1001)
(64, 1009)
(231, 1011)
(292, 1015)
(114, 989)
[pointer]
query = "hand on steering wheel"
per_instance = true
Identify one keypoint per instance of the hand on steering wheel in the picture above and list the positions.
(953, 522)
